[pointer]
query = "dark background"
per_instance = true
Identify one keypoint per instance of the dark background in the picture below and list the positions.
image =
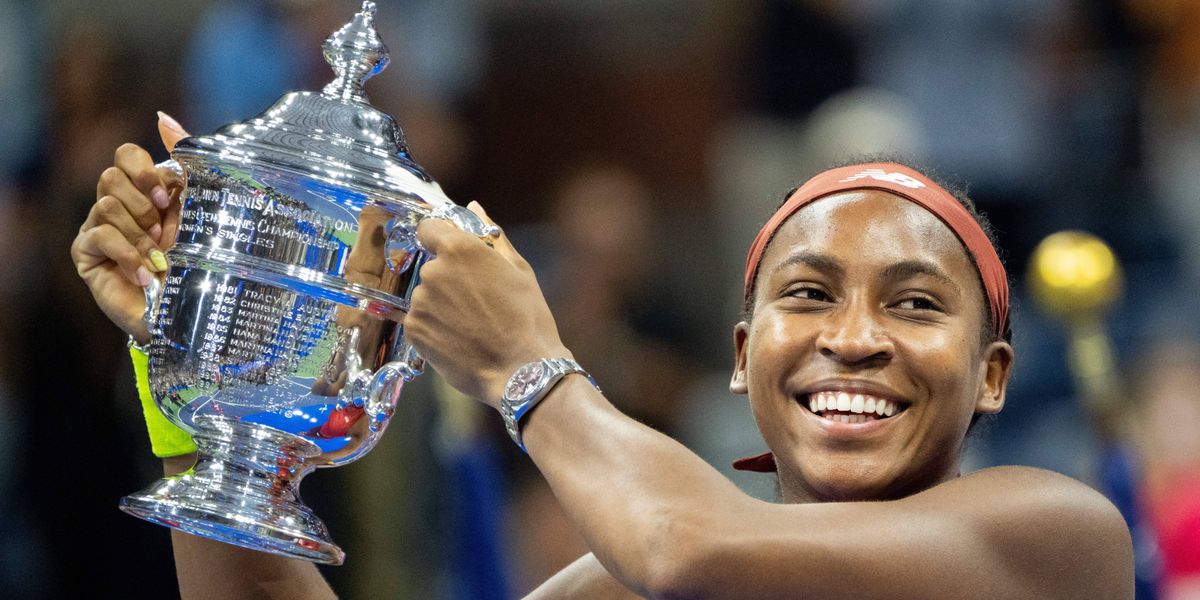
(631, 149)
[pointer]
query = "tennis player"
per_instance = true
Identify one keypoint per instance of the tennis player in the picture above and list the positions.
(875, 333)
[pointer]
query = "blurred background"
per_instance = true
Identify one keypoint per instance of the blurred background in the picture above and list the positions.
(631, 149)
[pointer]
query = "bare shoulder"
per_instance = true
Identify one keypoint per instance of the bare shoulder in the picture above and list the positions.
(1031, 489)
(1048, 527)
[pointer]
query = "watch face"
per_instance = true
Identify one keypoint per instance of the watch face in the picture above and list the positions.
(524, 381)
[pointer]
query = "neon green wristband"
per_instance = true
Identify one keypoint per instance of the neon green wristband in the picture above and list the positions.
(166, 438)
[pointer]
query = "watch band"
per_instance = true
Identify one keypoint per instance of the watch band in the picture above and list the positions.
(528, 385)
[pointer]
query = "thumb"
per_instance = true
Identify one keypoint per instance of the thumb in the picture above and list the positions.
(170, 130)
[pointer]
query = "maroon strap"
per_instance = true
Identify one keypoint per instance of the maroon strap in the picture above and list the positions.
(762, 463)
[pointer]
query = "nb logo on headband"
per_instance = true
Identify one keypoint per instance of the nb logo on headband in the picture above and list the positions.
(881, 175)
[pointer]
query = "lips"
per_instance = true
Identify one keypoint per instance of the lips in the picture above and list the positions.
(851, 407)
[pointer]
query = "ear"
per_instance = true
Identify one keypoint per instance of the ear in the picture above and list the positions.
(741, 333)
(997, 366)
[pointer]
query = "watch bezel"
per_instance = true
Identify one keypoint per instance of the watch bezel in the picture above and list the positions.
(530, 389)
(552, 370)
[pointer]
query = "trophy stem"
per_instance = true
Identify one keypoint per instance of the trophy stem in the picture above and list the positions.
(243, 490)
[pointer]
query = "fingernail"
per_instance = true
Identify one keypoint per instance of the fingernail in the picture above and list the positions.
(170, 123)
(160, 197)
(159, 260)
(156, 233)
(143, 276)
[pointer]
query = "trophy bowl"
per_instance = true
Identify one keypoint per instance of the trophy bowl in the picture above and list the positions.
(277, 333)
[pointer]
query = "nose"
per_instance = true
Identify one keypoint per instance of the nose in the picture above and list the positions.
(854, 336)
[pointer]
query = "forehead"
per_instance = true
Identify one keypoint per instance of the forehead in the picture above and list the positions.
(870, 228)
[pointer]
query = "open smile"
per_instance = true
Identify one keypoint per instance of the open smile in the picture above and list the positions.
(851, 407)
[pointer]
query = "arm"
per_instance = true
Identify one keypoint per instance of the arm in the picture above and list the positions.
(133, 217)
(210, 569)
(584, 578)
(665, 524)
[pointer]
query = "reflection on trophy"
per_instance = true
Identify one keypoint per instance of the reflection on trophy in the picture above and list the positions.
(278, 336)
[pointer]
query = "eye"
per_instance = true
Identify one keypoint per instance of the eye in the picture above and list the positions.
(809, 292)
(918, 303)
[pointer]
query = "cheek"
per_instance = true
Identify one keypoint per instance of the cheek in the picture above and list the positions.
(772, 350)
(948, 366)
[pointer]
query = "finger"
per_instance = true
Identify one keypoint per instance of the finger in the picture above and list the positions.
(501, 243)
(115, 183)
(104, 243)
(170, 131)
(440, 236)
(110, 211)
(137, 164)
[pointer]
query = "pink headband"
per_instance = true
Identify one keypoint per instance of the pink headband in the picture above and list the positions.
(910, 185)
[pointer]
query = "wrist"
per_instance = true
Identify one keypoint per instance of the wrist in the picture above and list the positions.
(574, 400)
(174, 465)
(497, 380)
(529, 385)
(166, 439)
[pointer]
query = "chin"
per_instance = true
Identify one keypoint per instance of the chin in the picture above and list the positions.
(843, 481)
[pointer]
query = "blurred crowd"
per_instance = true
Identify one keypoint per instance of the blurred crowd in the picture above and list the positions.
(631, 150)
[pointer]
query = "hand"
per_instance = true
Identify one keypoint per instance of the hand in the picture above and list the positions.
(478, 313)
(135, 217)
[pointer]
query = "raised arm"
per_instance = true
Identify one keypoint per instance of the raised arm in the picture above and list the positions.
(667, 525)
(117, 251)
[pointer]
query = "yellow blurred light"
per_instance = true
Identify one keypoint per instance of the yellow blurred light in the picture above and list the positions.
(1074, 274)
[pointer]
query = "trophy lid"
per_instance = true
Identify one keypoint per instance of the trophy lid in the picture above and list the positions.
(334, 136)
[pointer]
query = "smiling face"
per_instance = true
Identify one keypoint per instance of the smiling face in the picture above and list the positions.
(863, 358)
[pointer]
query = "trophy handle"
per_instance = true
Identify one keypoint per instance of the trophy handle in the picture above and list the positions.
(172, 165)
(378, 392)
(153, 293)
(465, 220)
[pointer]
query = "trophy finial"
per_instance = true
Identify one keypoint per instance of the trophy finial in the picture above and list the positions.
(356, 54)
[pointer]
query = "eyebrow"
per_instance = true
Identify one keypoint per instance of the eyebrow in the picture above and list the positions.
(905, 269)
(908, 269)
(818, 262)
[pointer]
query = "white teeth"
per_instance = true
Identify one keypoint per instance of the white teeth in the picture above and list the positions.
(862, 407)
(843, 402)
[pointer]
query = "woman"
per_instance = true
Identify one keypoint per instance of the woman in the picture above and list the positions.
(875, 334)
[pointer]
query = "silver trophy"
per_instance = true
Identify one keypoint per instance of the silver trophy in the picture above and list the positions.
(278, 337)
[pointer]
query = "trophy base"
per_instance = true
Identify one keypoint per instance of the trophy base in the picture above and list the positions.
(243, 490)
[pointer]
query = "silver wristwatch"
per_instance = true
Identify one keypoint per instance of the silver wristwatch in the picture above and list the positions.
(528, 385)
